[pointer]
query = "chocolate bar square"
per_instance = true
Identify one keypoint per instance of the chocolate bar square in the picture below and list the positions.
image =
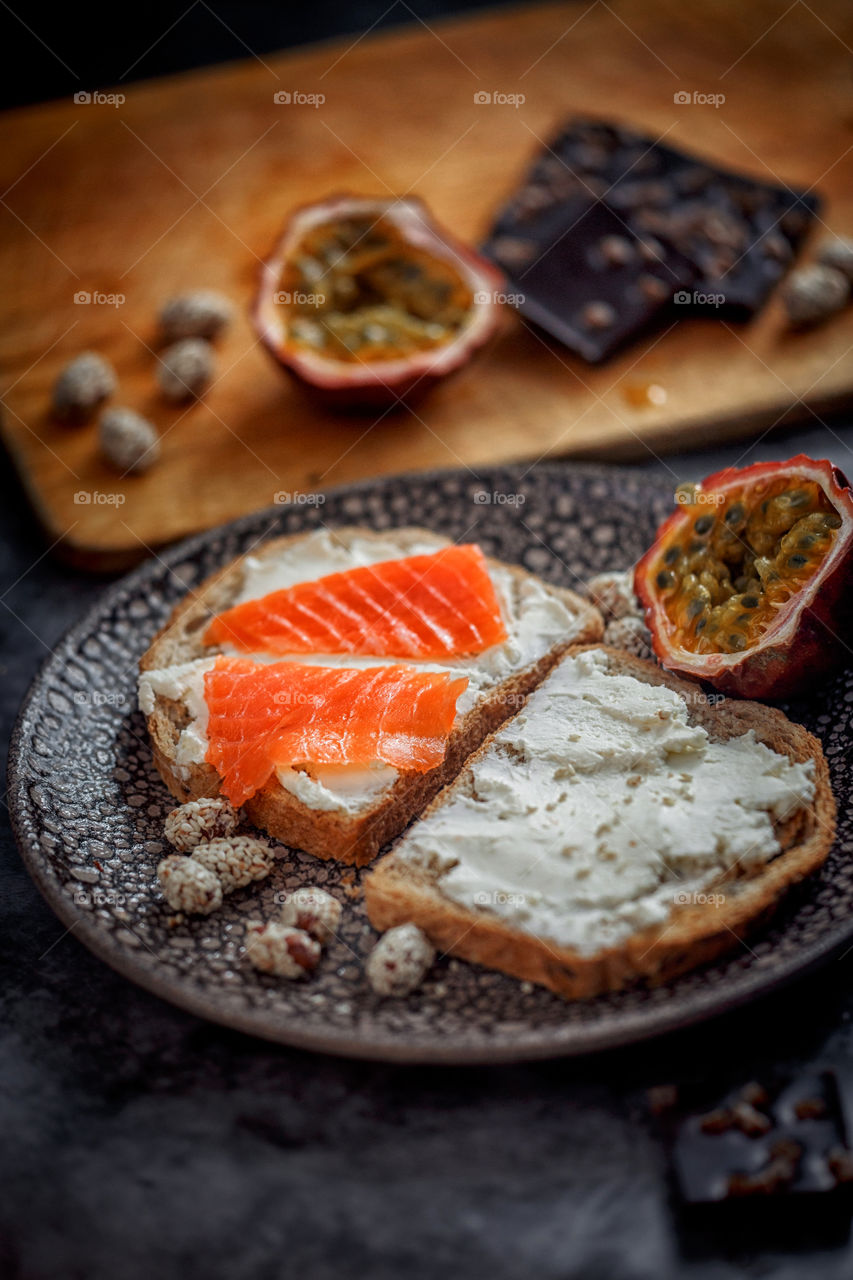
(598, 284)
(725, 236)
(763, 1142)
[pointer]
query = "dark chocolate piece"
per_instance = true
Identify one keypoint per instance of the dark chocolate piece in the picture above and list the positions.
(614, 292)
(725, 237)
(763, 1142)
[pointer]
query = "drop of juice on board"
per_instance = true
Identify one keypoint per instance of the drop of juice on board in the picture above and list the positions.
(645, 395)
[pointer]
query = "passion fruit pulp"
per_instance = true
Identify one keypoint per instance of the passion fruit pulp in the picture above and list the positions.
(368, 302)
(747, 583)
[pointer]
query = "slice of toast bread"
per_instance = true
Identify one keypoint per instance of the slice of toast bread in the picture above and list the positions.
(401, 889)
(351, 835)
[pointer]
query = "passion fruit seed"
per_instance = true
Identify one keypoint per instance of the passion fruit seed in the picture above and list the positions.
(704, 525)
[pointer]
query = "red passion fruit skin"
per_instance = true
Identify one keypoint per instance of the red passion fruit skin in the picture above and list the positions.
(811, 631)
(379, 383)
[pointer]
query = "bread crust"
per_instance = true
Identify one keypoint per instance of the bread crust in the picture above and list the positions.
(351, 838)
(695, 933)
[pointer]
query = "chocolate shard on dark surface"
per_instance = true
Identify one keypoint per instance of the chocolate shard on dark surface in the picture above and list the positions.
(726, 237)
(785, 1141)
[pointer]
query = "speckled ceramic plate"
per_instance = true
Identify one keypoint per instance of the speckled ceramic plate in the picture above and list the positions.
(88, 806)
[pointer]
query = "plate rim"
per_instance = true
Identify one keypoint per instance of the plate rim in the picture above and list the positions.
(633, 1028)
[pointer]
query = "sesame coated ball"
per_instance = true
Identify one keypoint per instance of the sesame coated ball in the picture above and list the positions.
(314, 910)
(281, 950)
(188, 886)
(127, 440)
(838, 254)
(185, 369)
(812, 294)
(630, 634)
(209, 818)
(399, 961)
(236, 860)
(613, 594)
(203, 313)
(82, 386)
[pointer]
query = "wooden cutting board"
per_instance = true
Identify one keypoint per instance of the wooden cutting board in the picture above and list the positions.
(187, 182)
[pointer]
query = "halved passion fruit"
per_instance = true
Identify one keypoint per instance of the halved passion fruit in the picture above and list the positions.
(748, 583)
(369, 301)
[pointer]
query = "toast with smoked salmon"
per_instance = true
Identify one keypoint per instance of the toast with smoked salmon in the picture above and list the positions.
(330, 809)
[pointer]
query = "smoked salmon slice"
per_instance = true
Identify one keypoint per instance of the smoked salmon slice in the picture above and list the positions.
(440, 605)
(264, 716)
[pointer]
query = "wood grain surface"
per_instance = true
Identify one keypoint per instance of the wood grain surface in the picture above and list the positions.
(187, 181)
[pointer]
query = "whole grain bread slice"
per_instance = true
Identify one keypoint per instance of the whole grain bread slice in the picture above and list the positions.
(695, 933)
(350, 837)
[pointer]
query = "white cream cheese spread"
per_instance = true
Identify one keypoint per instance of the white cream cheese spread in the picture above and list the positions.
(535, 621)
(599, 807)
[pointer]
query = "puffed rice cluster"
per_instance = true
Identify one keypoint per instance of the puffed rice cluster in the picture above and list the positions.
(290, 947)
(399, 961)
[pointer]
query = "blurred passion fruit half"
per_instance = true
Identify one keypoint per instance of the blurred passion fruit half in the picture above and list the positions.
(748, 584)
(370, 302)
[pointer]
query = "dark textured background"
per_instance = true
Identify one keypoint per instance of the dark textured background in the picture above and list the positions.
(137, 1142)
